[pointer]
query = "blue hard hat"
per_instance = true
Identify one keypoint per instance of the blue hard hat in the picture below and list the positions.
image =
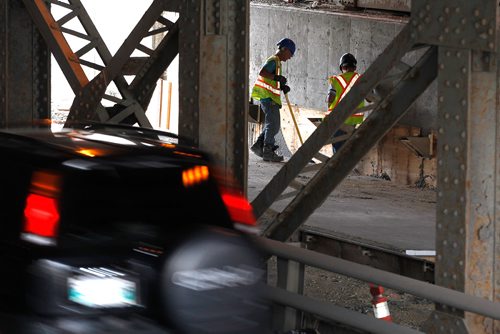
(287, 43)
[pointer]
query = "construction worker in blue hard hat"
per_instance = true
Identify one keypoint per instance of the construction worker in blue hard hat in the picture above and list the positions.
(339, 86)
(267, 90)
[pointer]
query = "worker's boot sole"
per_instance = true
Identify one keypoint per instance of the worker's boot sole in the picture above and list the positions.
(257, 149)
(270, 155)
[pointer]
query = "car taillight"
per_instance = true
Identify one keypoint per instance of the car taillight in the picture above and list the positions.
(41, 212)
(41, 216)
(194, 175)
(240, 211)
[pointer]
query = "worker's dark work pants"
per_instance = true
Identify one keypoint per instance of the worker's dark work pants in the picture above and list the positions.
(272, 122)
(336, 146)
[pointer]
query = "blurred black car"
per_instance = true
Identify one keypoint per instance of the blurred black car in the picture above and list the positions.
(117, 229)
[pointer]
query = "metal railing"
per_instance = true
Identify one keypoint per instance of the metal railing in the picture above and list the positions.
(455, 299)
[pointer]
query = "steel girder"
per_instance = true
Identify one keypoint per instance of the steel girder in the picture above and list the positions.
(467, 227)
(24, 70)
(87, 103)
(213, 79)
(213, 59)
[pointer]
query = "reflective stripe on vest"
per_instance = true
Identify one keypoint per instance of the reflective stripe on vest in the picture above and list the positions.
(345, 87)
(267, 88)
(261, 83)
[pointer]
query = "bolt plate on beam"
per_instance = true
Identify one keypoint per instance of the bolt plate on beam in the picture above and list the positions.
(456, 23)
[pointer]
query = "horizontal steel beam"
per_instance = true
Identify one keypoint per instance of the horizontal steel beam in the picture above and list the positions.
(336, 313)
(370, 255)
(453, 298)
(395, 5)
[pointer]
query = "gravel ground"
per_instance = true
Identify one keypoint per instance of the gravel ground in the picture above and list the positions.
(406, 310)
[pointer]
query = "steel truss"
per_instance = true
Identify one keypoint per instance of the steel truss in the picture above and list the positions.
(462, 37)
(130, 108)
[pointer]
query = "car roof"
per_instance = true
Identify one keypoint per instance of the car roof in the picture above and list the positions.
(99, 140)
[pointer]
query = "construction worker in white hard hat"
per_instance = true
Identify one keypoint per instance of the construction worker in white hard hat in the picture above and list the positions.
(267, 90)
(339, 86)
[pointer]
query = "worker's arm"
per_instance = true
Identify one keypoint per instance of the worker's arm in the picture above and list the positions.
(268, 72)
(264, 73)
(331, 95)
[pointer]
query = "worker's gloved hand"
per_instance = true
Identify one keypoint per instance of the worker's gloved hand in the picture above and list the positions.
(281, 79)
(285, 89)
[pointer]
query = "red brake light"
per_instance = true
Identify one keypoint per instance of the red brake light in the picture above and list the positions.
(239, 208)
(41, 216)
(41, 212)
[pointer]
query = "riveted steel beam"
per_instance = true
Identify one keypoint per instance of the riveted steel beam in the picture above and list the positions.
(88, 99)
(24, 70)
(57, 43)
(87, 103)
(456, 23)
(213, 87)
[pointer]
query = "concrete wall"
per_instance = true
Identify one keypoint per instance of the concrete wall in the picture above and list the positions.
(321, 38)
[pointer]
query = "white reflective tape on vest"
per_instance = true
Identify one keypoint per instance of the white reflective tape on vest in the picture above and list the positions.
(351, 84)
(261, 83)
(341, 81)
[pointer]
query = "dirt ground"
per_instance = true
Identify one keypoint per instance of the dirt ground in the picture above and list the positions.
(406, 310)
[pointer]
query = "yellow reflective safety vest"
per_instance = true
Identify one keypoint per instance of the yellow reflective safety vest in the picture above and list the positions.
(268, 88)
(342, 84)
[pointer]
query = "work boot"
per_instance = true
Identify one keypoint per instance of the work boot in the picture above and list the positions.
(258, 148)
(268, 154)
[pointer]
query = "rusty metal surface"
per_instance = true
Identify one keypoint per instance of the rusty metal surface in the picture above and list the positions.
(479, 186)
(385, 115)
(456, 23)
(397, 5)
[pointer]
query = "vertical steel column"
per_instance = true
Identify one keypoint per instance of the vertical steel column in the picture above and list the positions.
(41, 112)
(4, 6)
(189, 68)
(214, 81)
(238, 37)
(24, 69)
(466, 234)
(290, 277)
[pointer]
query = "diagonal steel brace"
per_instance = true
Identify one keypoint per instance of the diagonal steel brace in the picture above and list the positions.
(384, 117)
(332, 122)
